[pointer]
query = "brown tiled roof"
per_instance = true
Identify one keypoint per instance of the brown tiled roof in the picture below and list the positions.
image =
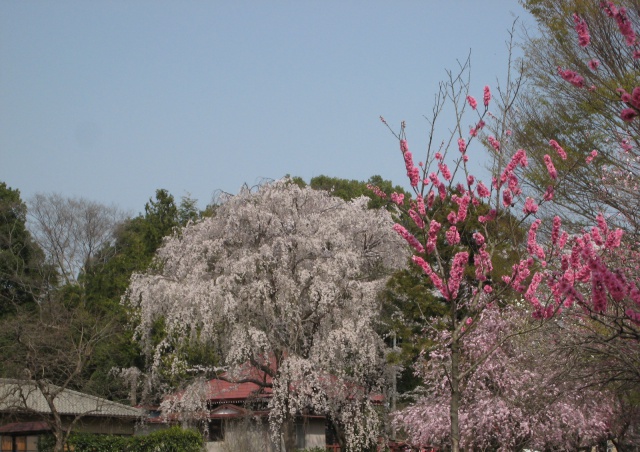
(24, 427)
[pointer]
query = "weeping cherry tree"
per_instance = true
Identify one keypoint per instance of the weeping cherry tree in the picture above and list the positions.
(284, 279)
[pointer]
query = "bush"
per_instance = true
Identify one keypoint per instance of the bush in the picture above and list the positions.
(169, 440)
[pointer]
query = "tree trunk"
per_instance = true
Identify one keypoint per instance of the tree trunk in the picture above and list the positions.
(289, 434)
(342, 440)
(455, 398)
(59, 436)
(58, 431)
(455, 385)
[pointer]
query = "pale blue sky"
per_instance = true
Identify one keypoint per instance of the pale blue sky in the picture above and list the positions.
(110, 100)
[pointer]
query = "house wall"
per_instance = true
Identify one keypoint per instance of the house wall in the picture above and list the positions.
(105, 426)
(144, 428)
(243, 436)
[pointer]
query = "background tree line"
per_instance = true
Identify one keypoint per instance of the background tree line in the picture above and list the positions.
(65, 264)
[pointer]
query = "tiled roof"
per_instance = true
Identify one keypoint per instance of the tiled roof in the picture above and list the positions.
(220, 391)
(24, 395)
(229, 389)
(226, 389)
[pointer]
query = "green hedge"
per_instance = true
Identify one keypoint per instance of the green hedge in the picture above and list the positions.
(169, 440)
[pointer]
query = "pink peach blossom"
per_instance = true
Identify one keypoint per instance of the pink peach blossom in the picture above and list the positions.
(530, 206)
(486, 96)
(583, 31)
(553, 173)
(554, 144)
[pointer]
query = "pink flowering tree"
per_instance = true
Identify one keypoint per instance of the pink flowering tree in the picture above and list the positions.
(605, 56)
(284, 280)
(554, 272)
(443, 182)
(519, 397)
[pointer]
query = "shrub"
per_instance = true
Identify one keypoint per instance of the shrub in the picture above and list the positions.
(169, 440)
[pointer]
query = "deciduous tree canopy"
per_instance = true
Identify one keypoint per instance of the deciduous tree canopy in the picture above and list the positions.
(574, 80)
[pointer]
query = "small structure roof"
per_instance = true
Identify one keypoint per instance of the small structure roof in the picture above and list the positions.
(24, 395)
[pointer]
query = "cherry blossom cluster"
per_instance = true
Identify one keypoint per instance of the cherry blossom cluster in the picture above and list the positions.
(561, 152)
(504, 407)
(377, 191)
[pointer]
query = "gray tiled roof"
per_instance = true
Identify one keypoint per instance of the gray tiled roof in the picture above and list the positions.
(24, 395)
